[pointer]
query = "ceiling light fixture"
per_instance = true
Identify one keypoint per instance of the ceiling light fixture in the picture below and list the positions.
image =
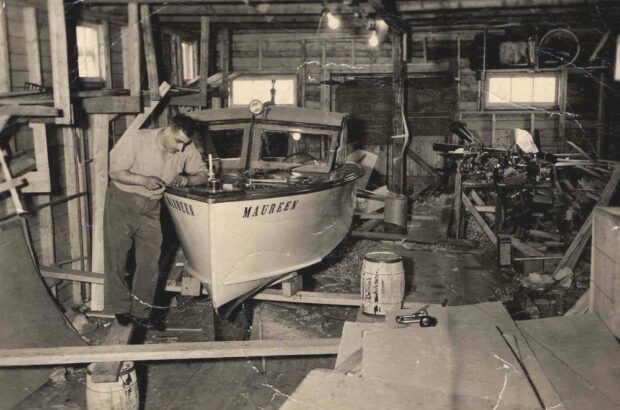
(333, 22)
(373, 40)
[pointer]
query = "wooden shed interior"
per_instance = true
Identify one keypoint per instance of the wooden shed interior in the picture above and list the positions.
(76, 75)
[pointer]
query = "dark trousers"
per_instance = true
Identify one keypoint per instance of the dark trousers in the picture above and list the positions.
(131, 221)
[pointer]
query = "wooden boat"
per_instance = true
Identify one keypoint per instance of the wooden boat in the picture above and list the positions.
(283, 198)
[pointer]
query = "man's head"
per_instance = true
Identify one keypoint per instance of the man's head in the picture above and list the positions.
(179, 133)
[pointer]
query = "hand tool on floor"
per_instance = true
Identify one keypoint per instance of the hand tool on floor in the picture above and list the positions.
(421, 316)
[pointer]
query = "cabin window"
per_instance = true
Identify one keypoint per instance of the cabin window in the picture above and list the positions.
(246, 88)
(226, 143)
(521, 91)
(189, 52)
(91, 64)
(294, 147)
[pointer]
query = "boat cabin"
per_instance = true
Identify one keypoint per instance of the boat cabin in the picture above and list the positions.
(273, 140)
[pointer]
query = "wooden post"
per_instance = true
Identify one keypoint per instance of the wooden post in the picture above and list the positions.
(149, 50)
(458, 205)
(224, 64)
(46, 222)
(131, 51)
(175, 67)
(73, 206)
(60, 60)
(600, 129)
(398, 174)
(99, 183)
(31, 35)
(5, 65)
(303, 73)
(325, 89)
(205, 28)
(260, 54)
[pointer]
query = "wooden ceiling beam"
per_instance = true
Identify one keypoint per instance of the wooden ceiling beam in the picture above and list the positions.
(447, 5)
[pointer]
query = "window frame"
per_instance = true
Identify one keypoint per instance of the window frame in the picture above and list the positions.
(265, 76)
(102, 53)
(195, 59)
(233, 163)
(521, 106)
(333, 134)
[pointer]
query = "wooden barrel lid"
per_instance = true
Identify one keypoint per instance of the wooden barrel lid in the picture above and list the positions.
(383, 257)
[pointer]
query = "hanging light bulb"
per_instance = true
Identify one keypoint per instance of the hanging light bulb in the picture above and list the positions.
(373, 40)
(333, 22)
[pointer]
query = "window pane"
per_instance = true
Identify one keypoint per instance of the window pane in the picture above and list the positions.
(299, 147)
(246, 89)
(522, 90)
(545, 89)
(187, 52)
(88, 51)
(223, 143)
(499, 89)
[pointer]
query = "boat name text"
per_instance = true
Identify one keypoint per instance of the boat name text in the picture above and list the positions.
(180, 206)
(268, 209)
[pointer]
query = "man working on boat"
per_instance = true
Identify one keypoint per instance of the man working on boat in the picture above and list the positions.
(142, 164)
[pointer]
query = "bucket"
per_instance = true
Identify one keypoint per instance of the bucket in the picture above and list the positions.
(383, 282)
(119, 395)
(396, 210)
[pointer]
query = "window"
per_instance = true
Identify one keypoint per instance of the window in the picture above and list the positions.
(89, 59)
(521, 90)
(225, 143)
(294, 147)
(189, 53)
(258, 87)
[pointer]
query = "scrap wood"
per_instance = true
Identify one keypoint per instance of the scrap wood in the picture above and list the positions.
(478, 218)
(576, 247)
(579, 150)
(169, 351)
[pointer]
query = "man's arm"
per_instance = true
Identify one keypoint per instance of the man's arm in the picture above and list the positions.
(198, 178)
(130, 178)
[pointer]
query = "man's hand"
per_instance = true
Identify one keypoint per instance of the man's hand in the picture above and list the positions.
(180, 180)
(153, 183)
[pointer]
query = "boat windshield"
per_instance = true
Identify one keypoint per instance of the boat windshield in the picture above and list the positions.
(281, 147)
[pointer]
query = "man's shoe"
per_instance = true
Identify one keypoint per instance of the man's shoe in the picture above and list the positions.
(124, 319)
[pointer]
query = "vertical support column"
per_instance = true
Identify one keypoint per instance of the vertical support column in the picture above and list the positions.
(99, 183)
(600, 127)
(225, 64)
(31, 35)
(260, 54)
(5, 65)
(149, 50)
(398, 174)
(458, 204)
(205, 29)
(562, 119)
(130, 37)
(73, 206)
(60, 60)
(46, 222)
(301, 78)
(325, 89)
(175, 67)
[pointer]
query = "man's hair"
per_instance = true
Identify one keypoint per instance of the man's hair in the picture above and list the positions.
(184, 123)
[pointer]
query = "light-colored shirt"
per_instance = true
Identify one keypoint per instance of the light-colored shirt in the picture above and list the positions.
(141, 153)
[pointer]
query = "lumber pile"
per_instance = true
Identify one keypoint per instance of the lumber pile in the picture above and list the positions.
(475, 358)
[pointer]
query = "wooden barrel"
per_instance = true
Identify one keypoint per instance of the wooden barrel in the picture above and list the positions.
(119, 395)
(383, 282)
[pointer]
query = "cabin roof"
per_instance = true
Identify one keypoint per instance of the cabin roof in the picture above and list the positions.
(276, 113)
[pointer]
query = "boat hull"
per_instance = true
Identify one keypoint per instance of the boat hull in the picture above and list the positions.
(240, 246)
